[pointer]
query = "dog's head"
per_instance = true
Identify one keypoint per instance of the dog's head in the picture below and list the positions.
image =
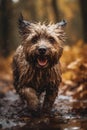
(43, 44)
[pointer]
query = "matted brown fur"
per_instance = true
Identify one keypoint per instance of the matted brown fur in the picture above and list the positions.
(36, 66)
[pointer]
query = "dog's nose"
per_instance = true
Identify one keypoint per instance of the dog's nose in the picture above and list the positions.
(42, 50)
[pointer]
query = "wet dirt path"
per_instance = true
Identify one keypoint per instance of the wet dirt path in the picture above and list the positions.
(65, 116)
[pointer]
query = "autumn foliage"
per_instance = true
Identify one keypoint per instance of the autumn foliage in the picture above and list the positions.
(75, 71)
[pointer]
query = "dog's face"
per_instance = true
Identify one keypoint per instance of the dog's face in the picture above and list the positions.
(42, 43)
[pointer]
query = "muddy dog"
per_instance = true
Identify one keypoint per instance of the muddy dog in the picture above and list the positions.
(36, 66)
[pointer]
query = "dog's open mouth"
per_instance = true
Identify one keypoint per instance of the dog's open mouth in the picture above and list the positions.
(42, 61)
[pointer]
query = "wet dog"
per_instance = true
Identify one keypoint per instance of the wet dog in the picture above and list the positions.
(36, 66)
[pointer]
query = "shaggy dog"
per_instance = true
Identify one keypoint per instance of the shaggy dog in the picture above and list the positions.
(36, 66)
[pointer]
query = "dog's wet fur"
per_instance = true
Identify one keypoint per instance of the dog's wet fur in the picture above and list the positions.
(36, 66)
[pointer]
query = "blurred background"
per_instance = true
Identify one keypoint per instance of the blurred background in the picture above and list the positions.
(74, 11)
(75, 50)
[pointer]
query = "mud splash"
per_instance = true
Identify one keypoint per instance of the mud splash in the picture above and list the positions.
(67, 114)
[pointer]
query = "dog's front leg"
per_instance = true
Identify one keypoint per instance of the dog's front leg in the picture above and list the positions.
(51, 94)
(31, 97)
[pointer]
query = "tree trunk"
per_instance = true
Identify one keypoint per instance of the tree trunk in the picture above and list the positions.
(55, 9)
(6, 12)
(83, 5)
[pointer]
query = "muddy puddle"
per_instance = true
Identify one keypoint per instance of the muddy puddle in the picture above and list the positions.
(67, 114)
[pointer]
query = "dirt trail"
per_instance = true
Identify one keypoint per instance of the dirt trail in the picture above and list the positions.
(14, 113)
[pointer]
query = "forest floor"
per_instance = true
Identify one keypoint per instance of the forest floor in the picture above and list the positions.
(70, 108)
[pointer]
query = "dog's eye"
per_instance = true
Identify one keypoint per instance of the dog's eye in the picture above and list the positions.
(34, 39)
(51, 39)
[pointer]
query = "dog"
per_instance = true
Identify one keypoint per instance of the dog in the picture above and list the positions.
(36, 65)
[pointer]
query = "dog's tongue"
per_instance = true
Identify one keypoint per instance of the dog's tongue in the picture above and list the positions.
(42, 62)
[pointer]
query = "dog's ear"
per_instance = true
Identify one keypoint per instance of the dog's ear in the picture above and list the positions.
(62, 24)
(23, 25)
